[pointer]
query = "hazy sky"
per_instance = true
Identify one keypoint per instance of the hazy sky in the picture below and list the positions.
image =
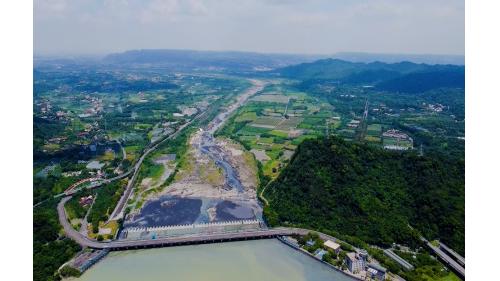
(286, 26)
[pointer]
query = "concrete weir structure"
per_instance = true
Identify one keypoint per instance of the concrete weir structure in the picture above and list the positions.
(202, 238)
(138, 233)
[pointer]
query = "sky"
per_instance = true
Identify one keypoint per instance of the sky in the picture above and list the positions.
(268, 26)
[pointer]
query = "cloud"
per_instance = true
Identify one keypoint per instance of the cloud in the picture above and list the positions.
(313, 26)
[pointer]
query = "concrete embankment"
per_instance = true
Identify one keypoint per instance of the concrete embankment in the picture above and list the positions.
(297, 248)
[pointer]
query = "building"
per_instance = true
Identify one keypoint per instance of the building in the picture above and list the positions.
(356, 262)
(319, 253)
(375, 272)
(86, 200)
(332, 245)
(310, 242)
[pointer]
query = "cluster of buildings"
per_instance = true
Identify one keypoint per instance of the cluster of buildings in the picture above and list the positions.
(393, 133)
(434, 107)
(357, 263)
(96, 106)
(402, 140)
(86, 200)
(353, 124)
(44, 106)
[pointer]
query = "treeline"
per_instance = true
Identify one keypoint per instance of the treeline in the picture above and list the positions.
(398, 77)
(371, 194)
(107, 199)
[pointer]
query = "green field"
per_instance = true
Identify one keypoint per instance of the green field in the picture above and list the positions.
(247, 116)
(374, 129)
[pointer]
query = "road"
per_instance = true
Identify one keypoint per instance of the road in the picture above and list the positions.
(216, 124)
(458, 258)
(175, 241)
(457, 268)
(118, 211)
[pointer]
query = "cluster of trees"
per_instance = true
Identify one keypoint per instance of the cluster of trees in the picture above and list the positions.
(371, 194)
(50, 250)
(398, 77)
(107, 198)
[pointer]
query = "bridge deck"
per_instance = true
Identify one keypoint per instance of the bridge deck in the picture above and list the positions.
(171, 241)
(459, 258)
(448, 260)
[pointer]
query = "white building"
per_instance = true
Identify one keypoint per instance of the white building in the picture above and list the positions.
(356, 262)
(332, 245)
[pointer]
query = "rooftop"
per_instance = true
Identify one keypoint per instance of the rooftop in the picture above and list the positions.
(331, 244)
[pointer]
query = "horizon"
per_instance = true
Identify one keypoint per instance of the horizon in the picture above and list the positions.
(354, 57)
(85, 54)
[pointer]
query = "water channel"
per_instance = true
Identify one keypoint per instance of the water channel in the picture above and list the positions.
(268, 260)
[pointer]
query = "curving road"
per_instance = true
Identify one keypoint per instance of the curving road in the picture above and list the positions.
(175, 241)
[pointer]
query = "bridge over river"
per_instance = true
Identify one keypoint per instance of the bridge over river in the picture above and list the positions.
(178, 240)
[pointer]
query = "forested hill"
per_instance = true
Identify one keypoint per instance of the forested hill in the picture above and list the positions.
(369, 193)
(401, 77)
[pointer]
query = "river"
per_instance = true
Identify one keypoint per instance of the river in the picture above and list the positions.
(247, 260)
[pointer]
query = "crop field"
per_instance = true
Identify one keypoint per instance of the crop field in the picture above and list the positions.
(252, 131)
(262, 126)
(372, 139)
(266, 122)
(393, 141)
(247, 116)
(374, 129)
(272, 98)
(290, 123)
(278, 133)
(311, 122)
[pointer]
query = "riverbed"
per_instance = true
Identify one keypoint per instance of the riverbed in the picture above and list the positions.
(246, 260)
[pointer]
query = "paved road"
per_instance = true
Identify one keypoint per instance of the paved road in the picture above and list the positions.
(119, 210)
(446, 259)
(170, 241)
(173, 241)
(458, 258)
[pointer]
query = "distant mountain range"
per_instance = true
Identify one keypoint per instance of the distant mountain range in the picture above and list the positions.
(390, 72)
(401, 77)
(235, 60)
(231, 60)
(393, 58)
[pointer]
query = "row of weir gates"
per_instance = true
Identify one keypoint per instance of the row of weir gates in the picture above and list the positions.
(147, 233)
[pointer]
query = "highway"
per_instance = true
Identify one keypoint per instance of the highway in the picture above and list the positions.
(118, 211)
(457, 268)
(458, 258)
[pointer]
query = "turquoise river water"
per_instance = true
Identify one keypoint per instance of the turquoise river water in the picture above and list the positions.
(268, 260)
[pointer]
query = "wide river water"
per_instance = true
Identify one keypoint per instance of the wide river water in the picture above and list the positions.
(267, 260)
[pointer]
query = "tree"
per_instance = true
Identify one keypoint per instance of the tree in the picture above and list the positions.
(68, 271)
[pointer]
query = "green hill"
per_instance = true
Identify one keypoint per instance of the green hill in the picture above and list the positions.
(399, 77)
(366, 192)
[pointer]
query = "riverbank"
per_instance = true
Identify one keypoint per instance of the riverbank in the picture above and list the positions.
(297, 248)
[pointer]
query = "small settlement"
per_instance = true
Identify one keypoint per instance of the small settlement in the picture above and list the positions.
(338, 255)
